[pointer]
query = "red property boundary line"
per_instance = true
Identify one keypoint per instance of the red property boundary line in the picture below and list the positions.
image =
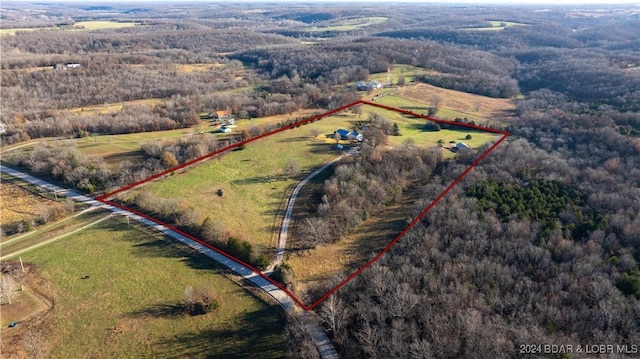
(104, 198)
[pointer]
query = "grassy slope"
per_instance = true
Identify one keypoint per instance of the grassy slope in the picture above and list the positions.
(414, 128)
(351, 24)
(252, 180)
(124, 308)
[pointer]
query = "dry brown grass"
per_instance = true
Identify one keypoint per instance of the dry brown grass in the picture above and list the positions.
(19, 204)
(113, 107)
(190, 68)
(465, 103)
(317, 266)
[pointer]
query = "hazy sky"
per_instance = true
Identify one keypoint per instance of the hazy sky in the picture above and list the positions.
(513, 2)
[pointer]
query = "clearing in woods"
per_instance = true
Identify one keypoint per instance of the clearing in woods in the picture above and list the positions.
(351, 24)
(496, 25)
(451, 104)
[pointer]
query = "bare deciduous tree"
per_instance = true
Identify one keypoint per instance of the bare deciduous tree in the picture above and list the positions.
(435, 101)
(291, 169)
(315, 132)
(314, 231)
(334, 314)
(7, 291)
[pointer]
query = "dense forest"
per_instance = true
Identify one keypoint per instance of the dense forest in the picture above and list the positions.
(539, 244)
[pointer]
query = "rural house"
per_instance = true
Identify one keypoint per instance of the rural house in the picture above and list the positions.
(346, 135)
(225, 116)
(460, 146)
(368, 86)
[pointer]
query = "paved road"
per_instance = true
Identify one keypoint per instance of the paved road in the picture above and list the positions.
(324, 346)
(284, 228)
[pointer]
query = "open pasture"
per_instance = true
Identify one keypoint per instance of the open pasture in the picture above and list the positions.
(118, 292)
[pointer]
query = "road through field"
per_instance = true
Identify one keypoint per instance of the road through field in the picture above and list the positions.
(322, 342)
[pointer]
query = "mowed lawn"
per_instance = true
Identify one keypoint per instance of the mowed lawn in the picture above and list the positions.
(414, 128)
(253, 182)
(126, 304)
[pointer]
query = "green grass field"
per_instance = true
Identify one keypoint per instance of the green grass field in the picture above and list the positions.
(50, 231)
(252, 180)
(414, 128)
(80, 25)
(127, 305)
(409, 72)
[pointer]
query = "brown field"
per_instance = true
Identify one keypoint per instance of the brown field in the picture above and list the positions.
(113, 107)
(319, 265)
(461, 102)
(19, 204)
(197, 67)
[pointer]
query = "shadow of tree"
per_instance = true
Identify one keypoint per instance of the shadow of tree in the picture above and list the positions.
(148, 243)
(257, 334)
(258, 179)
(161, 311)
(295, 139)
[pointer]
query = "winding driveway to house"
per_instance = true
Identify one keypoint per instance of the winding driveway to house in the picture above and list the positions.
(284, 228)
(321, 341)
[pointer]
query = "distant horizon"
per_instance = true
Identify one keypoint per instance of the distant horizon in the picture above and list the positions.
(475, 2)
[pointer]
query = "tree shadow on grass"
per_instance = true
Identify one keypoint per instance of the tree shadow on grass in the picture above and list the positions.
(258, 179)
(422, 110)
(323, 148)
(255, 334)
(161, 311)
(169, 248)
(295, 139)
(420, 126)
(148, 243)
